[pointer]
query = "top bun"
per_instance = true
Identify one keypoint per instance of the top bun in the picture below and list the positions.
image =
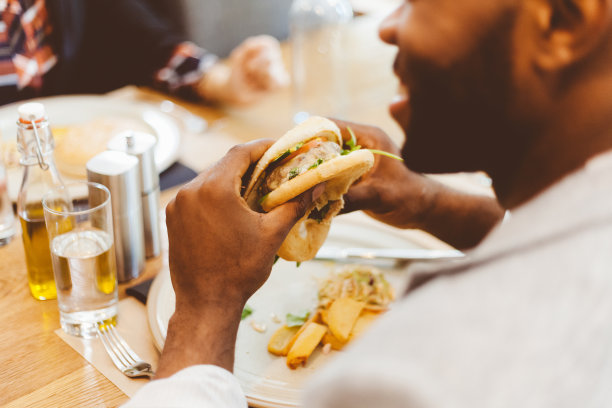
(311, 128)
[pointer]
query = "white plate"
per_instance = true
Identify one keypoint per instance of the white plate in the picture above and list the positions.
(75, 109)
(265, 378)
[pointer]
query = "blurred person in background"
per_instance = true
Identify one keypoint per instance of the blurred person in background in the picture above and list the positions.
(517, 88)
(52, 47)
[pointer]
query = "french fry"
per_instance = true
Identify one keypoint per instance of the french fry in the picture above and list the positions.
(330, 339)
(341, 317)
(304, 345)
(281, 340)
(361, 324)
(365, 319)
(315, 318)
(323, 314)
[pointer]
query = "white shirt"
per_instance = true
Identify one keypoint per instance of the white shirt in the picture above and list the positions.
(203, 386)
(525, 322)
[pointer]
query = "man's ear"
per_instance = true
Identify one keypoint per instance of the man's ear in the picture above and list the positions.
(569, 29)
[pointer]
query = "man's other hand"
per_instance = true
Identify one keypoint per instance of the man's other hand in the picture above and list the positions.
(253, 69)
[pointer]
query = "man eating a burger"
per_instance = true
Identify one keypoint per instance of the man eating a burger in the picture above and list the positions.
(517, 88)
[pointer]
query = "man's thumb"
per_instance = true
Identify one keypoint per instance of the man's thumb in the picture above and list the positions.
(290, 212)
(357, 198)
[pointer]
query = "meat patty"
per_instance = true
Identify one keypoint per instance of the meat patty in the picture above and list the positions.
(301, 163)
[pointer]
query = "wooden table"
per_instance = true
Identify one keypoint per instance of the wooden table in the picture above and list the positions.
(36, 367)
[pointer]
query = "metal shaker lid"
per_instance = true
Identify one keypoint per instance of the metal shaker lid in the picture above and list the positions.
(119, 172)
(142, 146)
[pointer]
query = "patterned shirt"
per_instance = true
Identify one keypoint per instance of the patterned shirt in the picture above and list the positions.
(184, 69)
(26, 54)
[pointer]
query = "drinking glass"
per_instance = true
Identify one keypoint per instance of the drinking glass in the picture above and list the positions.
(80, 227)
(7, 218)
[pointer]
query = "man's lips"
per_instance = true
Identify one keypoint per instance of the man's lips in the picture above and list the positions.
(399, 105)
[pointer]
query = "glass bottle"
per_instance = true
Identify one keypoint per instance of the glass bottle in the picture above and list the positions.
(35, 143)
(316, 30)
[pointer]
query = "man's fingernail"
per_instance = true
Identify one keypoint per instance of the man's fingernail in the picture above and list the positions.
(317, 191)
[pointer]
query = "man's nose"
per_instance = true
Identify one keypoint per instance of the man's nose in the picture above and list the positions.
(387, 31)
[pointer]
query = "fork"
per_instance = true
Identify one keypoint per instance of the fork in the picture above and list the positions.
(124, 358)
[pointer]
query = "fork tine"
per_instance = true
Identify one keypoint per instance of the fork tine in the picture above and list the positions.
(127, 352)
(115, 347)
(110, 350)
(124, 358)
(118, 350)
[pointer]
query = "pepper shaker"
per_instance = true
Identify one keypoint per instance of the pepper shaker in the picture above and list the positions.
(142, 146)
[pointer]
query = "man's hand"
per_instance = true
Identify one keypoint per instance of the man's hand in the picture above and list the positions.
(253, 69)
(220, 253)
(389, 192)
(395, 195)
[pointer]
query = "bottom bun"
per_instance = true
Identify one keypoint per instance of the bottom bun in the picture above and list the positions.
(338, 174)
(308, 235)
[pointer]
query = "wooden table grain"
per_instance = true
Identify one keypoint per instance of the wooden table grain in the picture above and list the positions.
(37, 368)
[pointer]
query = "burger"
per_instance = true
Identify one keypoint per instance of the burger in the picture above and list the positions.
(309, 154)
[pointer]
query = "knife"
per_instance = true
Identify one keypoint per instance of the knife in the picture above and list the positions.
(413, 254)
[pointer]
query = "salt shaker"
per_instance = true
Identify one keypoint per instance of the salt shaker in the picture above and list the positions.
(119, 172)
(142, 146)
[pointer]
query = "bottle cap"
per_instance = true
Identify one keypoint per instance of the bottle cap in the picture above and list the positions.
(34, 138)
(118, 171)
(31, 112)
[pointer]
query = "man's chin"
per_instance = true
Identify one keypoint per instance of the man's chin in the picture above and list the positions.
(430, 148)
(417, 160)
(400, 111)
(427, 145)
